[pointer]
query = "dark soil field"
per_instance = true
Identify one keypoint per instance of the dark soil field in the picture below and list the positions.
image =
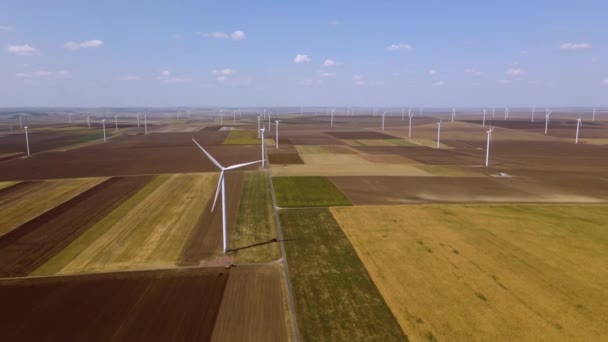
(44, 141)
(360, 135)
(205, 242)
(558, 127)
(285, 158)
(131, 155)
(30, 245)
(403, 190)
(171, 305)
(425, 155)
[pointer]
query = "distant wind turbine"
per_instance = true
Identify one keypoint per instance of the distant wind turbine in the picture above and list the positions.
(409, 128)
(506, 113)
(104, 129)
(276, 135)
(578, 126)
(331, 124)
(488, 146)
(533, 112)
(116, 122)
(27, 141)
(547, 121)
(439, 132)
(402, 113)
(453, 113)
(593, 119)
(221, 186)
(89, 120)
(263, 149)
(146, 123)
(383, 113)
(137, 120)
(258, 127)
(483, 121)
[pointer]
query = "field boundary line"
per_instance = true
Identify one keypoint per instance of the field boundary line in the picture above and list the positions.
(290, 300)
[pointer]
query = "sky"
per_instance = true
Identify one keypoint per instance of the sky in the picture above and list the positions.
(304, 53)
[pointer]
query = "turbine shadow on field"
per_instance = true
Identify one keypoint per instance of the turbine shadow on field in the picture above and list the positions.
(258, 244)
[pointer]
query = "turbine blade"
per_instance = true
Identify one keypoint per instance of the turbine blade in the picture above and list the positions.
(217, 191)
(208, 155)
(232, 167)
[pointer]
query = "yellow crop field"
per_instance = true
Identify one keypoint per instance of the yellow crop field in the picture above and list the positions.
(148, 232)
(487, 272)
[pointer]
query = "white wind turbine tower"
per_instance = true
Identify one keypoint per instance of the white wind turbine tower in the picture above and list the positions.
(221, 117)
(116, 122)
(269, 125)
(488, 146)
(137, 120)
(547, 121)
(578, 126)
(483, 121)
(263, 148)
(331, 124)
(383, 113)
(146, 123)
(493, 112)
(104, 129)
(276, 135)
(593, 119)
(89, 120)
(453, 113)
(258, 127)
(402, 113)
(439, 132)
(506, 113)
(409, 128)
(21, 121)
(221, 186)
(27, 141)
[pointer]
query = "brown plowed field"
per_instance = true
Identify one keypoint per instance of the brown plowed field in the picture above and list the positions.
(285, 158)
(41, 141)
(111, 160)
(16, 187)
(403, 190)
(253, 308)
(30, 245)
(155, 140)
(171, 305)
(423, 154)
(205, 241)
(562, 127)
(360, 135)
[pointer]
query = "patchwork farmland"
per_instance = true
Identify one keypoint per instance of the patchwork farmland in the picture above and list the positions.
(347, 233)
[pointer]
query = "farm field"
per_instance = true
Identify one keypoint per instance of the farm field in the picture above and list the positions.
(469, 272)
(148, 230)
(24, 201)
(335, 299)
(170, 305)
(242, 137)
(307, 192)
(254, 237)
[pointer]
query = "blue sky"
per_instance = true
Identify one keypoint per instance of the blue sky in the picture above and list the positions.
(244, 53)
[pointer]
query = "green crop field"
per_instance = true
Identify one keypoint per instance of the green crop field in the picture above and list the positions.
(334, 296)
(254, 237)
(242, 137)
(307, 192)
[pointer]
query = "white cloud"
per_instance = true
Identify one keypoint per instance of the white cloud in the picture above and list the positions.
(22, 50)
(222, 74)
(236, 35)
(398, 46)
(87, 44)
(43, 74)
(605, 82)
(432, 72)
(575, 46)
(326, 74)
(595, 60)
(301, 59)
(472, 72)
(130, 78)
(439, 84)
(165, 77)
(329, 63)
(515, 72)
(4, 28)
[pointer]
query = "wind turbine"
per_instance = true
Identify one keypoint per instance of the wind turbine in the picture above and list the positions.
(269, 125)
(20, 120)
(547, 121)
(593, 119)
(116, 122)
(221, 117)
(483, 121)
(453, 113)
(104, 129)
(27, 141)
(383, 113)
(402, 113)
(259, 125)
(493, 112)
(89, 120)
(332, 118)
(263, 149)
(146, 122)
(506, 113)
(439, 132)
(234, 117)
(409, 134)
(276, 135)
(578, 125)
(221, 185)
(488, 146)
(137, 120)
(533, 112)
